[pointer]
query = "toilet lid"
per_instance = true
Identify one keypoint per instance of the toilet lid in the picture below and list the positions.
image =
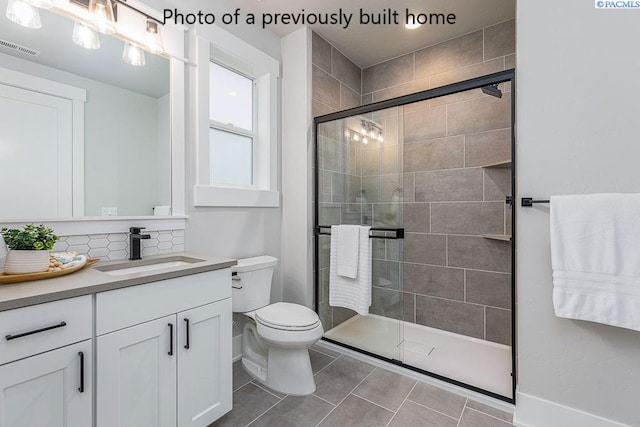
(287, 315)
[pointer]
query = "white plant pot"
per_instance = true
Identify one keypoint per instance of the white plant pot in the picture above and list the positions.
(22, 262)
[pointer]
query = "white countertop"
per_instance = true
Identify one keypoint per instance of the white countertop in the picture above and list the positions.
(89, 280)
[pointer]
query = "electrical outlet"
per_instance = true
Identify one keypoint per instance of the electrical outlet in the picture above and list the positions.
(110, 211)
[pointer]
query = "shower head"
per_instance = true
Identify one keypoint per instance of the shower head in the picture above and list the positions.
(492, 90)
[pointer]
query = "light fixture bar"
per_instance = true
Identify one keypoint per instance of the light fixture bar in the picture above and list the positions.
(146, 15)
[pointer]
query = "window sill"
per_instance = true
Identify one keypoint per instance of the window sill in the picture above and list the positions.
(204, 195)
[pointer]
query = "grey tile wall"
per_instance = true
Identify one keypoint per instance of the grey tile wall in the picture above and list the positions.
(437, 174)
(336, 80)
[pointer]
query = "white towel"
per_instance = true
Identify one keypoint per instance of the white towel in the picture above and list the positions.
(348, 246)
(354, 294)
(595, 256)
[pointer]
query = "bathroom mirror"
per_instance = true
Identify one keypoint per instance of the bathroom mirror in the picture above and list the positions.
(83, 134)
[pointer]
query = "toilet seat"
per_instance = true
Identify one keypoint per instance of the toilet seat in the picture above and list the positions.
(288, 317)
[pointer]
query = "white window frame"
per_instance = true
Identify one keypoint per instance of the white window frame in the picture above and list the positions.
(253, 134)
(239, 56)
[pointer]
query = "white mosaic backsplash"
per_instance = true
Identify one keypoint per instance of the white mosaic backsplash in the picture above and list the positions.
(116, 245)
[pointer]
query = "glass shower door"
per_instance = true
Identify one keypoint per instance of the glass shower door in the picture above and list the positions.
(360, 181)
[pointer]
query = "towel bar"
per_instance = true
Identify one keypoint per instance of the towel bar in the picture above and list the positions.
(528, 202)
(399, 232)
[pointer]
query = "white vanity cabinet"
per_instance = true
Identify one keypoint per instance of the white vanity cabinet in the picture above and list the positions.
(46, 365)
(164, 352)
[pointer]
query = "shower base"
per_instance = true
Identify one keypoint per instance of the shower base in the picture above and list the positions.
(472, 361)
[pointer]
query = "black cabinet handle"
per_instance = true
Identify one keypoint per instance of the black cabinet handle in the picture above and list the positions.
(187, 344)
(37, 331)
(81, 388)
(170, 339)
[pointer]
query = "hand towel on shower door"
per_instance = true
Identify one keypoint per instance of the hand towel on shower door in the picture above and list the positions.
(595, 257)
(354, 294)
(348, 249)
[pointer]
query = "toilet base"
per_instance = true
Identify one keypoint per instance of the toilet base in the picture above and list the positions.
(285, 370)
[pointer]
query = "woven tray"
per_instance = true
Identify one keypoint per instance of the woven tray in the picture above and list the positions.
(6, 279)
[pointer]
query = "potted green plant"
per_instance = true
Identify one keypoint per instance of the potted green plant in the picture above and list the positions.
(28, 248)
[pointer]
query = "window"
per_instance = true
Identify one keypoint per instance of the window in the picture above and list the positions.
(236, 122)
(232, 127)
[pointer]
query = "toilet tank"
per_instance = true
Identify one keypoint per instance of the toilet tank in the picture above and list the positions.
(251, 281)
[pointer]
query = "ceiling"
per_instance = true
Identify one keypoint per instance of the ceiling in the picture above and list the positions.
(367, 45)
(58, 51)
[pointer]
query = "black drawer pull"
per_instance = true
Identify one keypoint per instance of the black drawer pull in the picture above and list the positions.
(170, 353)
(186, 346)
(37, 331)
(81, 388)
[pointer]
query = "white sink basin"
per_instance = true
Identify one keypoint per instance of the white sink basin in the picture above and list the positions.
(147, 266)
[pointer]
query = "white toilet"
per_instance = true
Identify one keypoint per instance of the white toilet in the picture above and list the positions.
(276, 337)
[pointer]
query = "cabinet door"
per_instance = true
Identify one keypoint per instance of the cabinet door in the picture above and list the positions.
(52, 389)
(136, 376)
(204, 364)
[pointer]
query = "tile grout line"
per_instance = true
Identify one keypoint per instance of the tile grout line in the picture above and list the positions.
(373, 403)
(261, 387)
(461, 413)
(328, 364)
(348, 394)
(488, 415)
(434, 410)
(324, 400)
(321, 352)
(403, 402)
(258, 417)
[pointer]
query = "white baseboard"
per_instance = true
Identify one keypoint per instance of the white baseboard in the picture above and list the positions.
(533, 411)
(236, 347)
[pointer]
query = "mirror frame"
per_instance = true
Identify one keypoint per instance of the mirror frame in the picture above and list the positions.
(130, 28)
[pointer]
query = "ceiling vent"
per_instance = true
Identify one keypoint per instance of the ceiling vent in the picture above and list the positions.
(16, 47)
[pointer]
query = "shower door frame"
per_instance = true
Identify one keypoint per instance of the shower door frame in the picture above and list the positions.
(475, 83)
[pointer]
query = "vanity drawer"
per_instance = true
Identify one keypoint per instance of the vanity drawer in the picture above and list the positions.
(39, 328)
(130, 306)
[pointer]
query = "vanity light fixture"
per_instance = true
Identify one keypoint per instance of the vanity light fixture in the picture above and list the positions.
(368, 131)
(23, 14)
(153, 37)
(85, 36)
(101, 16)
(133, 55)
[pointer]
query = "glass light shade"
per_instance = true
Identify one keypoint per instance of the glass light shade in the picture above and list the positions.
(101, 16)
(23, 14)
(85, 36)
(133, 55)
(43, 4)
(153, 37)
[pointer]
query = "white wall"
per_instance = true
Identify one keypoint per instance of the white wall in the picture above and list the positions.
(114, 117)
(228, 232)
(163, 149)
(266, 41)
(297, 152)
(578, 128)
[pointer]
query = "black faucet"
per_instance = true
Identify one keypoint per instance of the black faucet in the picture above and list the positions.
(134, 242)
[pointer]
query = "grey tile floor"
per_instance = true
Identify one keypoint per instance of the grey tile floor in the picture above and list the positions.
(353, 393)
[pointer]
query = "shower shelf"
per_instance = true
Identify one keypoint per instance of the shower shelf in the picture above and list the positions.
(501, 237)
(499, 165)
